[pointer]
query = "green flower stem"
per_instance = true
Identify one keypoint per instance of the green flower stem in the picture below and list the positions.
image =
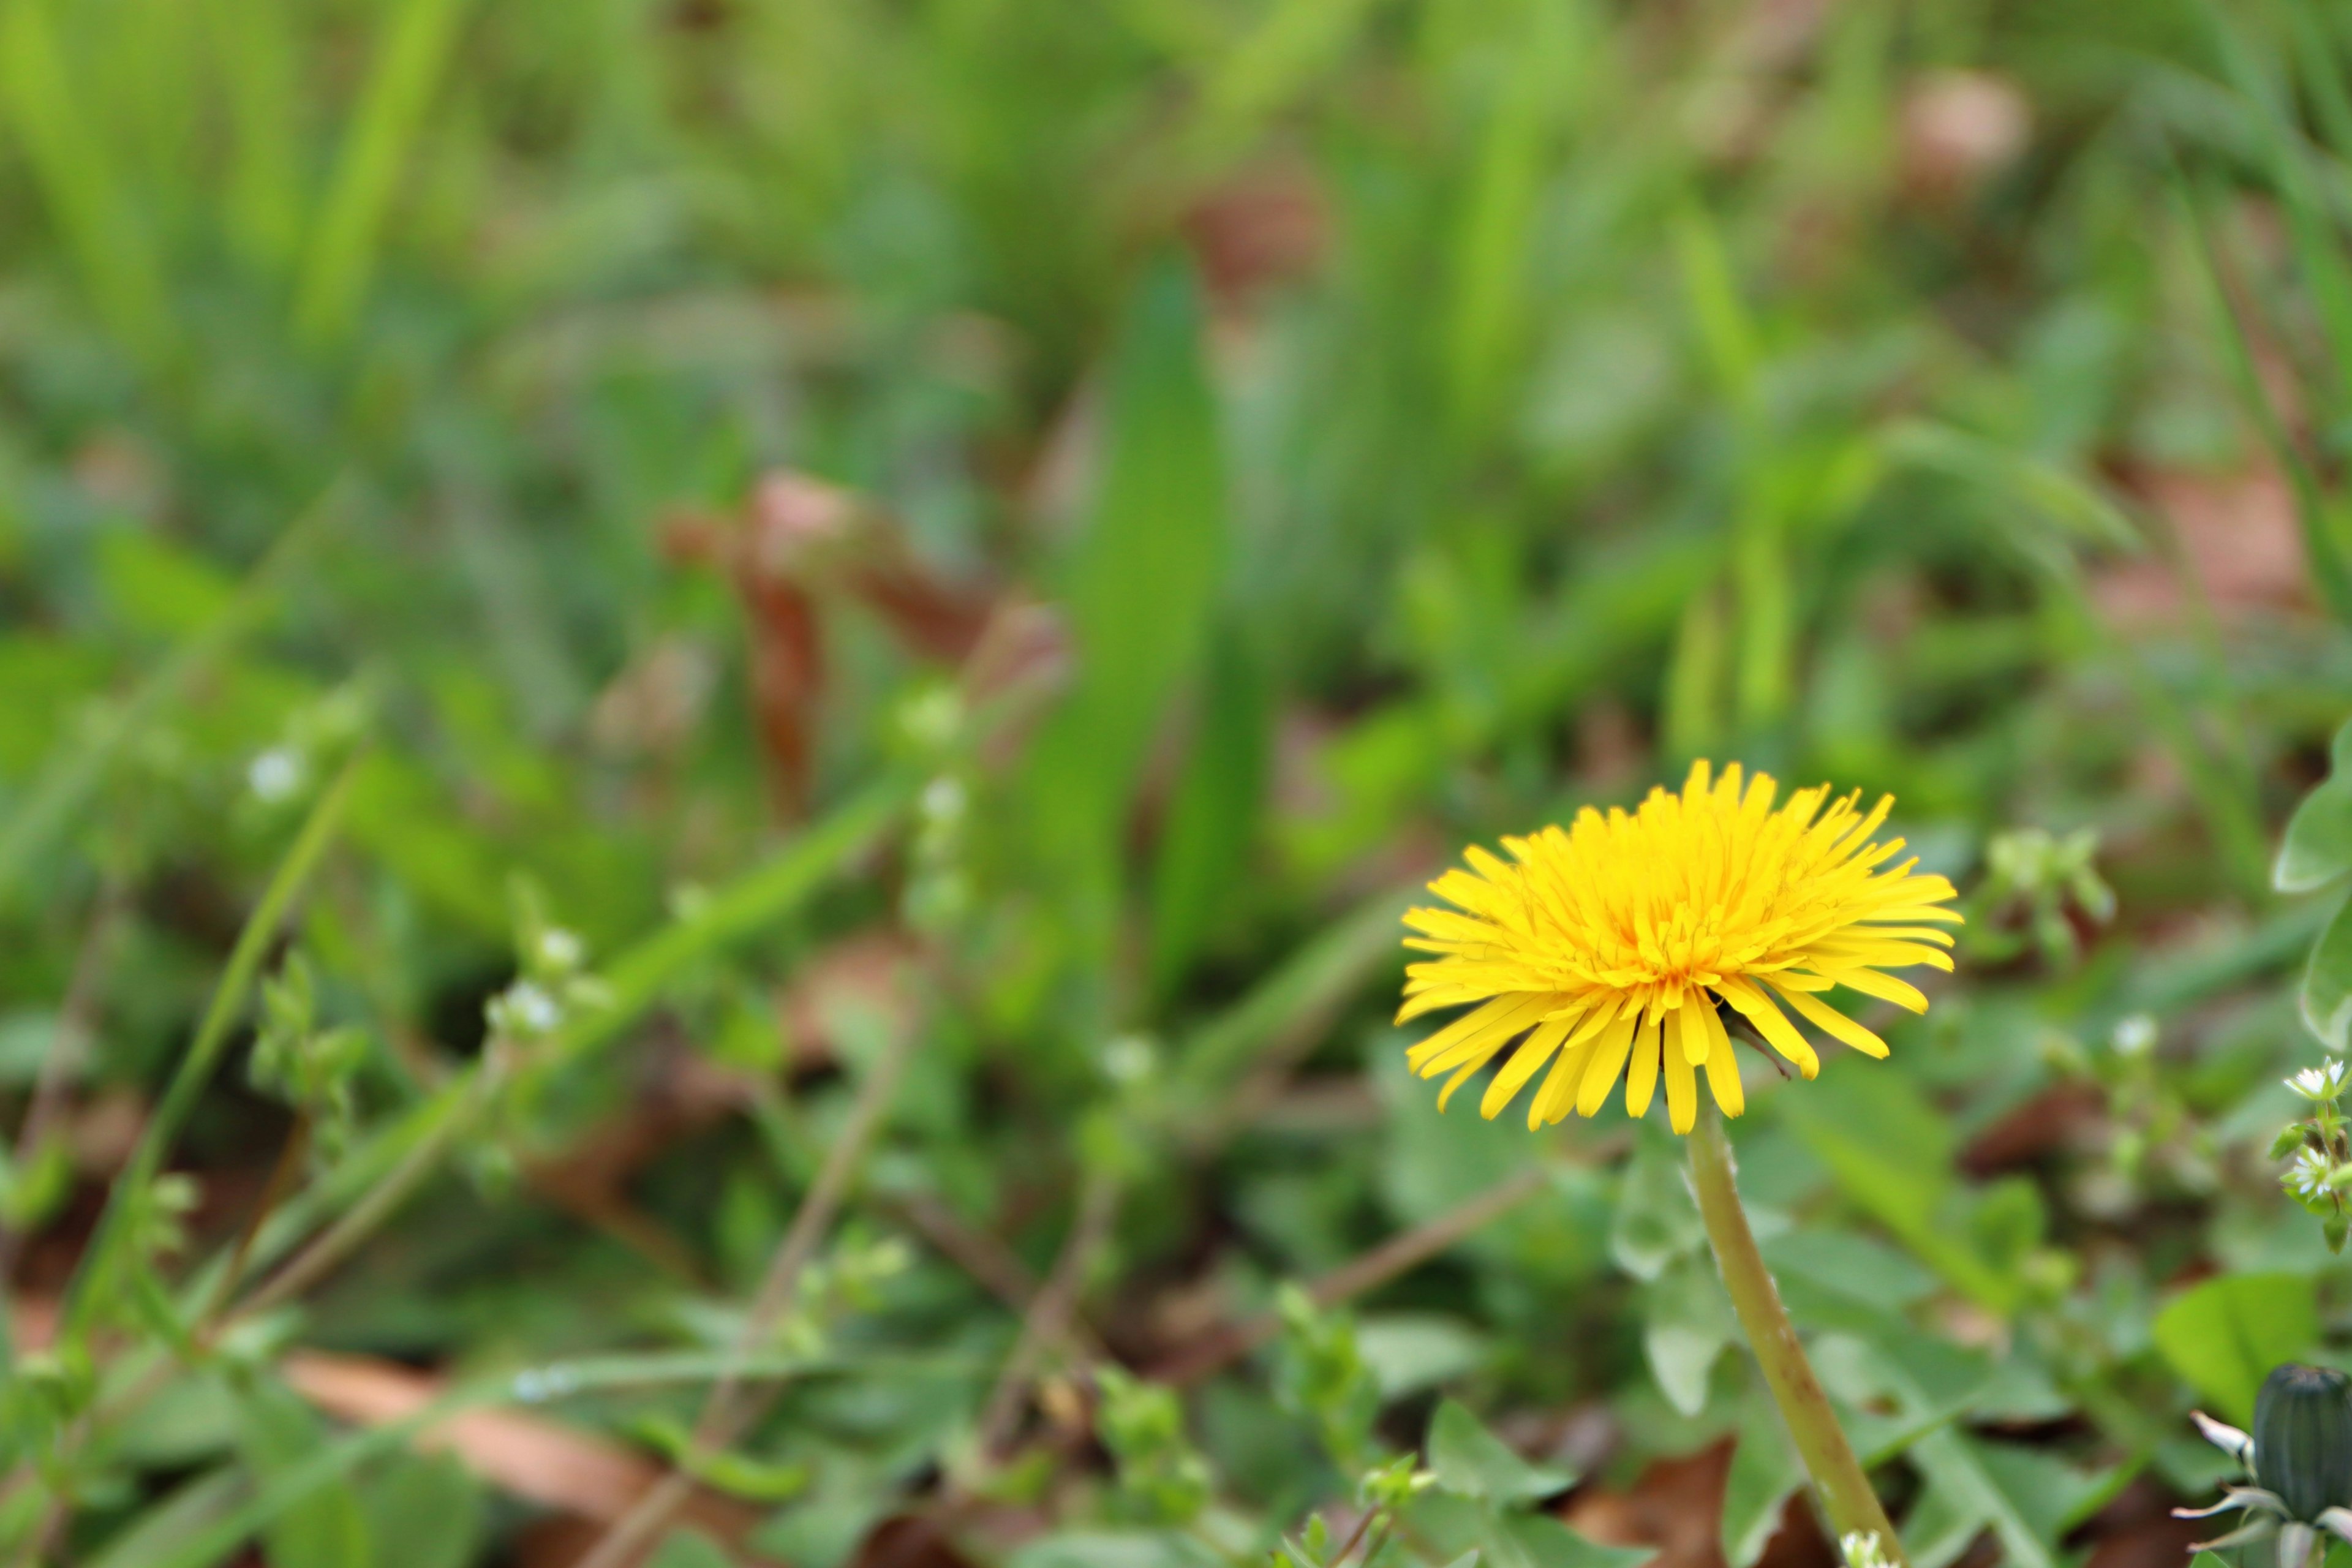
(1845, 1493)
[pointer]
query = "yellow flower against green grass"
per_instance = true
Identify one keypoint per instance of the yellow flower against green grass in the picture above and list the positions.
(1604, 949)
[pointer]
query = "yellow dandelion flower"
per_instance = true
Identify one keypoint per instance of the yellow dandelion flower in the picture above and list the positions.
(1606, 949)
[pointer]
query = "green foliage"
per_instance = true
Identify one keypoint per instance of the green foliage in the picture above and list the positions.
(573, 578)
(2223, 1336)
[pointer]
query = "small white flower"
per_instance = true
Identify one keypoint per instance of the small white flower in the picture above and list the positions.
(2135, 1035)
(525, 1009)
(275, 775)
(561, 950)
(944, 799)
(2308, 1175)
(1862, 1550)
(2323, 1082)
(1128, 1059)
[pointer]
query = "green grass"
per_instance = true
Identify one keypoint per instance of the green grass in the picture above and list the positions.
(1262, 445)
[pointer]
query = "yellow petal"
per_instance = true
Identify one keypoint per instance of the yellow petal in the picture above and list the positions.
(1642, 1074)
(1722, 1068)
(1557, 1098)
(1849, 954)
(1533, 1052)
(1487, 1028)
(1688, 1035)
(1885, 987)
(1772, 1023)
(1609, 1053)
(1823, 1017)
(1682, 1092)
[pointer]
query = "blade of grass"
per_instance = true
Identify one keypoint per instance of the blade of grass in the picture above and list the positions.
(256, 46)
(2322, 60)
(1764, 667)
(1485, 322)
(634, 980)
(195, 1069)
(376, 146)
(2322, 545)
(1284, 1011)
(2318, 250)
(753, 902)
(78, 177)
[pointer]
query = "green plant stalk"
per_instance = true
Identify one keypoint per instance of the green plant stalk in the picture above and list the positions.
(1846, 1497)
(195, 1067)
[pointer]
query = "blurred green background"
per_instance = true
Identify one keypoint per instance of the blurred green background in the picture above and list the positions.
(970, 555)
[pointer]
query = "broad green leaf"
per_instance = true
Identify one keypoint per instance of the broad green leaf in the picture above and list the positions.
(1657, 1222)
(190, 1505)
(423, 1511)
(2223, 1336)
(689, 1549)
(1140, 585)
(157, 588)
(1115, 1549)
(326, 1527)
(1851, 1266)
(1687, 1324)
(1540, 1541)
(1764, 1470)
(2327, 995)
(2028, 1499)
(2317, 848)
(1941, 1526)
(1899, 1385)
(1473, 1462)
(1204, 847)
(194, 1418)
(1891, 1152)
(1408, 1351)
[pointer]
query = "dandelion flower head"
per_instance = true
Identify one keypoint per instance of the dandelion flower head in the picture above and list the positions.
(1608, 949)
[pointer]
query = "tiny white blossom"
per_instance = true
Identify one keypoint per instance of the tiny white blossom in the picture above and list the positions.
(2308, 1175)
(275, 775)
(944, 799)
(2323, 1082)
(1862, 1550)
(560, 949)
(1128, 1059)
(2135, 1035)
(524, 1008)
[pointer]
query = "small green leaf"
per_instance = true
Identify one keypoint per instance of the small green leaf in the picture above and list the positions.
(2327, 982)
(1764, 1470)
(2028, 1499)
(324, 1527)
(1473, 1462)
(2318, 844)
(1656, 1221)
(203, 1500)
(689, 1549)
(1687, 1325)
(2223, 1336)
(1540, 1541)
(423, 1511)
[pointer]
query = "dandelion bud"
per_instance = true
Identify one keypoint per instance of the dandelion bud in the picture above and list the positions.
(2303, 1438)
